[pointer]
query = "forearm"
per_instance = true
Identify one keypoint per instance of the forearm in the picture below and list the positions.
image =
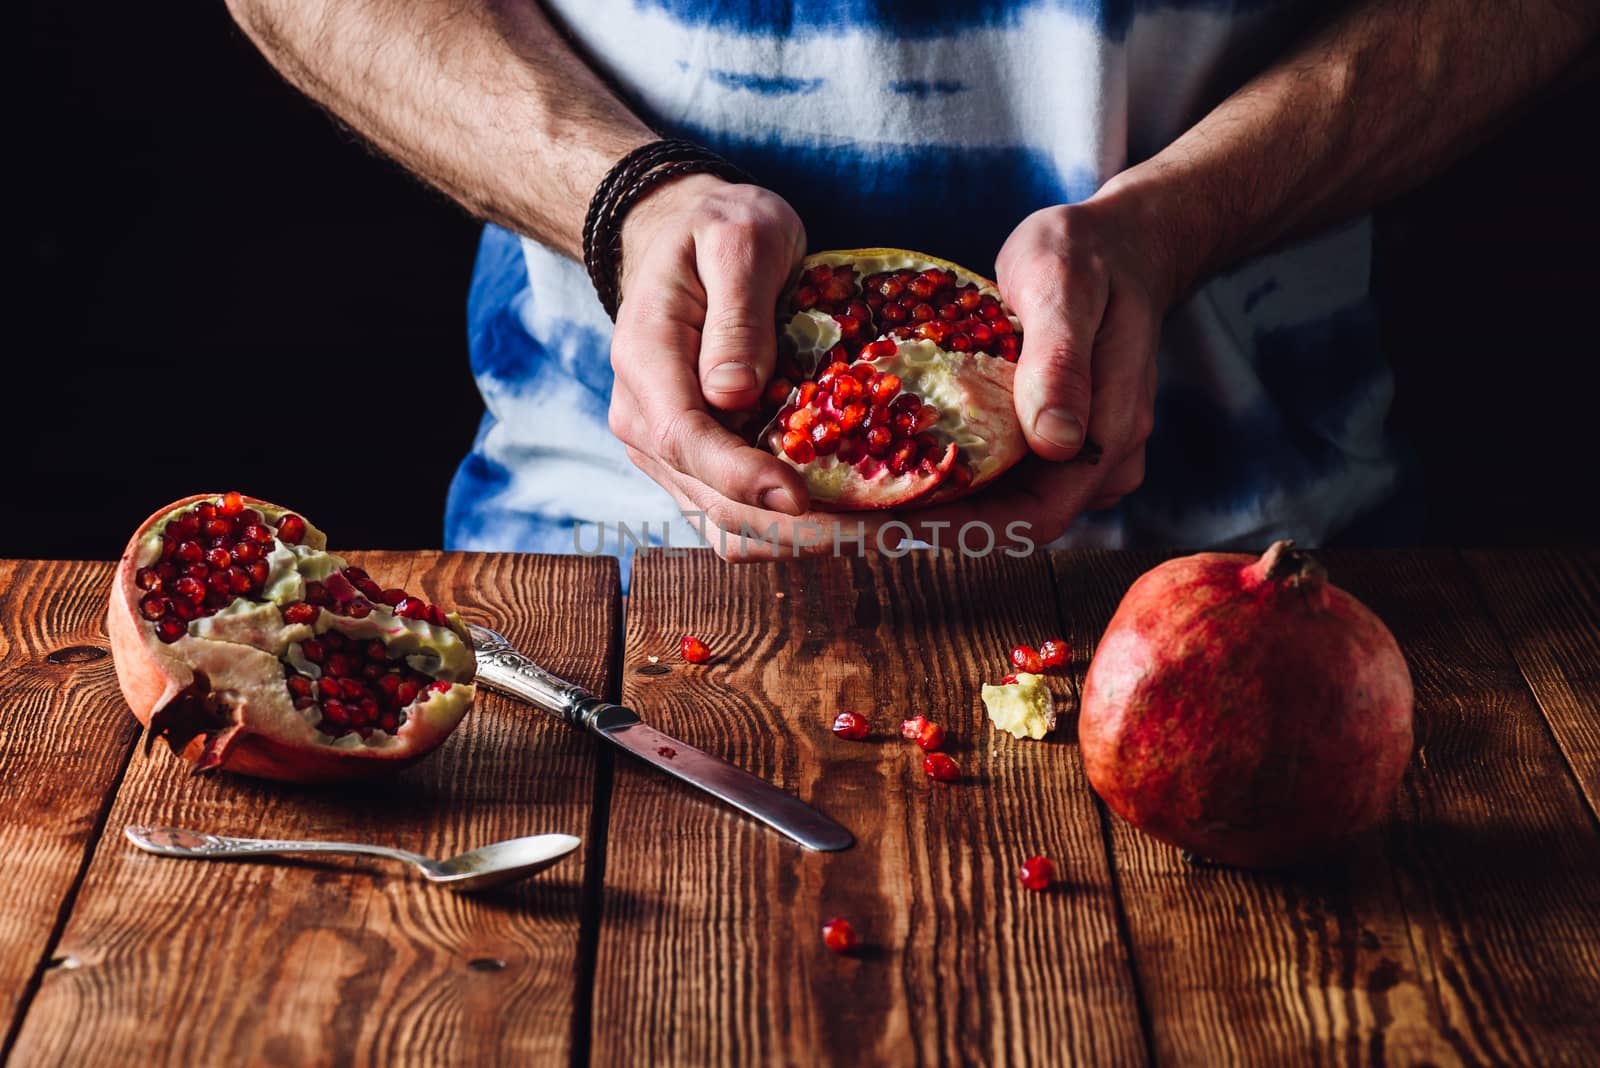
(1382, 97)
(486, 101)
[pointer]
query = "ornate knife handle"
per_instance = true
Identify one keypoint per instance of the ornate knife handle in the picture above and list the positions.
(503, 667)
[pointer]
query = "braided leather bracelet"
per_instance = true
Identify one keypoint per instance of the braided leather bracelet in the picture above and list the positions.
(628, 180)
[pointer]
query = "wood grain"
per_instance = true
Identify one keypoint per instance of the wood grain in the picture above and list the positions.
(278, 962)
(60, 754)
(1460, 934)
(1547, 605)
(710, 950)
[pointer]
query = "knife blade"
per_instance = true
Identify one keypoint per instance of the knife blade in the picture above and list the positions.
(506, 669)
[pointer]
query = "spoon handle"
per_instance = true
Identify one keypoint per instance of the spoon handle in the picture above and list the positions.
(177, 842)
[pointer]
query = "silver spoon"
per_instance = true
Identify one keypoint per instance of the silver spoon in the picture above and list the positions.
(476, 869)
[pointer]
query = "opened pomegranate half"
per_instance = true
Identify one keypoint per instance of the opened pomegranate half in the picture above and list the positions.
(894, 382)
(247, 646)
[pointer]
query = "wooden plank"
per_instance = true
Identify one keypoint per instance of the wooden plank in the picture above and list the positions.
(1461, 933)
(1548, 607)
(60, 756)
(710, 950)
(309, 963)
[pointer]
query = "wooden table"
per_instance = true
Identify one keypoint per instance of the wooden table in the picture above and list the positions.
(1467, 931)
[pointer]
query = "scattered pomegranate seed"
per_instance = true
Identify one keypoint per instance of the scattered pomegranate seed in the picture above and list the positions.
(1053, 653)
(1026, 658)
(694, 650)
(851, 725)
(838, 935)
(930, 737)
(910, 728)
(666, 751)
(1009, 680)
(1037, 873)
(941, 767)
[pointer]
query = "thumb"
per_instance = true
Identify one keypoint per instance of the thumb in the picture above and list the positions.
(1060, 314)
(738, 343)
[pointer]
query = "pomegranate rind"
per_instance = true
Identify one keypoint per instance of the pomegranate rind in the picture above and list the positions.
(257, 731)
(1251, 722)
(972, 390)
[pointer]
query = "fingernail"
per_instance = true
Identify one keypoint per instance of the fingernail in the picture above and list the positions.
(1059, 427)
(730, 378)
(780, 500)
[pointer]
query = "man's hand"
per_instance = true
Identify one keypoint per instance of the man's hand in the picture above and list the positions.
(1091, 295)
(703, 262)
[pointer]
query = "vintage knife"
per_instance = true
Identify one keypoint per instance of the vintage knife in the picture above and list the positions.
(502, 667)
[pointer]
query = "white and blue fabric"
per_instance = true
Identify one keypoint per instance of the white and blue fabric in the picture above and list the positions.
(937, 125)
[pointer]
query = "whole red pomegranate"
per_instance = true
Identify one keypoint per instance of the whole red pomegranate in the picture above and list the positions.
(894, 382)
(1245, 709)
(247, 646)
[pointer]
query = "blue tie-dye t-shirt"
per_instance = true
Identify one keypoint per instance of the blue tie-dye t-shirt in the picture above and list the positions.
(939, 125)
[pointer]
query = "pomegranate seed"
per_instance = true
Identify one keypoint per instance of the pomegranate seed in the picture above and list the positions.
(846, 391)
(893, 314)
(1008, 348)
(903, 424)
(171, 629)
(838, 935)
(904, 457)
(185, 609)
(373, 672)
(969, 299)
(239, 580)
(440, 686)
(217, 528)
(862, 372)
(808, 393)
(950, 312)
(884, 387)
(335, 712)
(412, 608)
(258, 572)
(334, 640)
(342, 665)
(852, 448)
(891, 288)
(1053, 653)
(880, 439)
(777, 391)
(922, 313)
(291, 528)
(389, 683)
(317, 593)
(922, 287)
(230, 505)
(153, 606)
(879, 350)
(930, 737)
(299, 685)
(797, 446)
(186, 525)
(840, 353)
(1009, 680)
(805, 298)
(1026, 658)
(217, 583)
(837, 290)
(437, 617)
(246, 551)
(188, 552)
(1037, 873)
(980, 333)
(825, 437)
(358, 608)
(958, 343)
(376, 652)
(392, 596)
(147, 579)
(851, 725)
(390, 722)
(257, 533)
(941, 767)
(328, 686)
(405, 693)
(802, 420)
(853, 416)
(694, 650)
(300, 612)
(351, 689)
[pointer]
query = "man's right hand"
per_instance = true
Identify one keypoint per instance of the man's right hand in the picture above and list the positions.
(703, 262)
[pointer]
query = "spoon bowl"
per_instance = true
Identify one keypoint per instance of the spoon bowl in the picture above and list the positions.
(487, 866)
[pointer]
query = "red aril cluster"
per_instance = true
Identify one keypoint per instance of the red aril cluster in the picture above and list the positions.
(893, 384)
(361, 688)
(1050, 654)
(211, 555)
(927, 734)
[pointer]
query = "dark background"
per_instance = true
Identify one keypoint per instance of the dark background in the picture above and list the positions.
(226, 290)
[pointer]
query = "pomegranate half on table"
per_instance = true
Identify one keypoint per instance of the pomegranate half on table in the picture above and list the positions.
(248, 646)
(893, 387)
